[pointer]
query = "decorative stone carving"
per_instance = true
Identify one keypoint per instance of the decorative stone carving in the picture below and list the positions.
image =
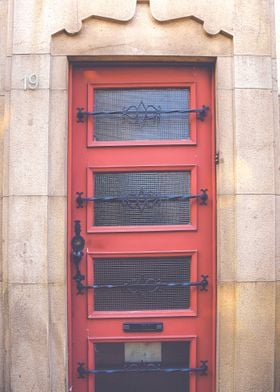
(201, 11)
(161, 10)
(119, 10)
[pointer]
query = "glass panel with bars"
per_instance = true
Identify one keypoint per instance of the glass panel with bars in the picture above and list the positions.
(141, 114)
(127, 284)
(142, 198)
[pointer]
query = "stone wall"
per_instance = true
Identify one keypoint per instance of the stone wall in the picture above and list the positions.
(3, 132)
(41, 37)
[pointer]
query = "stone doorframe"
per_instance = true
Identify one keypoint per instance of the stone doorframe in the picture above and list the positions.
(245, 106)
(194, 46)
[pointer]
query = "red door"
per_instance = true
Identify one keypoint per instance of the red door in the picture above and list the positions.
(141, 229)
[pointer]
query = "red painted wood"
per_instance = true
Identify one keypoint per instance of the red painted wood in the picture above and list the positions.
(198, 239)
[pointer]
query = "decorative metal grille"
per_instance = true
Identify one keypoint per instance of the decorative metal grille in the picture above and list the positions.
(141, 114)
(142, 284)
(148, 202)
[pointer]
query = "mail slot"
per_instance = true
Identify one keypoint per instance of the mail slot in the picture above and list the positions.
(143, 327)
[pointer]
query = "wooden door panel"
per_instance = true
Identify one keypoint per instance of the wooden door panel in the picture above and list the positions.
(133, 240)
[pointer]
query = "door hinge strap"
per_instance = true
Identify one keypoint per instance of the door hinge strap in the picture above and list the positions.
(142, 113)
(142, 200)
(137, 285)
(142, 367)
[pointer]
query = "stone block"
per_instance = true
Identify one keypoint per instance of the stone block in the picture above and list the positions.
(57, 182)
(2, 125)
(7, 74)
(274, 75)
(27, 239)
(2, 78)
(2, 329)
(224, 73)
(58, 337)
(274, 20)
(32, 26)
(23, 66)
(1, 242)
(254, 141)
(277, 236)
(3, 29)
(57, 239)
(4, 245)
(225, 142)
(255, 337)
(59, 73)
(28, 148)
(226, 330)
(277, 267)
(255, 237)
(277, 340)
(276, 104)
(9, 32)
(29, 338)
(252, 27)
(253, 72)
(226, 252)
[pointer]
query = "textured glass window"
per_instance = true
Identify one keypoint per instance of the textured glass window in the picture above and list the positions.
(142, 114)
(141, 198)
(142, 283)
(113, 356)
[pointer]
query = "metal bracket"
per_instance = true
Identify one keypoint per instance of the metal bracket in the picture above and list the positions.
(217, 158)
(203, 283)
(142, 367)
(79, 279)
(142, 113)
(141, 286)
(142, 199)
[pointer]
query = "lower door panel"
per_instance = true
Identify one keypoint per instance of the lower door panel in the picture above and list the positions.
(142, 365)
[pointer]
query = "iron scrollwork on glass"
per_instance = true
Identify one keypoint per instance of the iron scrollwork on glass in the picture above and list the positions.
(142, 113)
(142, 200)
(145, 286)
(142, 367)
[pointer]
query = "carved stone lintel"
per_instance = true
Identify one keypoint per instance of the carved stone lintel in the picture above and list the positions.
(161, 10)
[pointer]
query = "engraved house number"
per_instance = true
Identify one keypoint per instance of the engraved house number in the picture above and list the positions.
(30, 82)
